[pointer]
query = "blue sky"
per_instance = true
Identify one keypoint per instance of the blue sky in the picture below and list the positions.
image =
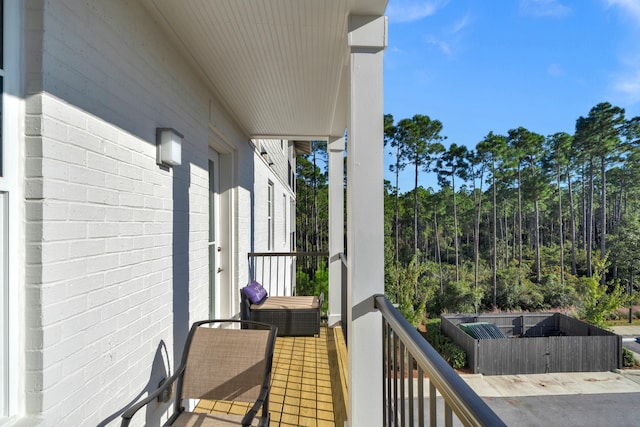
(480, 66)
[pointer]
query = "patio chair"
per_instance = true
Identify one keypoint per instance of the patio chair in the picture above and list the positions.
(220, 364)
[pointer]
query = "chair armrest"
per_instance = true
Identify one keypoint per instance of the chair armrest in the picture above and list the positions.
(245, 307)
(129, 413)
(251, 414)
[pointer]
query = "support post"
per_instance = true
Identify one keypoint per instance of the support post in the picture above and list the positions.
(365, 218)
(335, 149)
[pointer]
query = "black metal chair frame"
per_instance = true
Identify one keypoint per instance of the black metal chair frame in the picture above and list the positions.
(261, 402)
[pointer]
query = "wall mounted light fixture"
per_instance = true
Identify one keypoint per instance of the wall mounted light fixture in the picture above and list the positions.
(169, 143)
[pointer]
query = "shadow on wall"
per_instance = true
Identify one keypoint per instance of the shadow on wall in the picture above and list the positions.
(160, 369)
(180, 256)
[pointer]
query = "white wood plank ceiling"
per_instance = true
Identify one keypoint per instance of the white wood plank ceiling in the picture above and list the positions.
(277, 65)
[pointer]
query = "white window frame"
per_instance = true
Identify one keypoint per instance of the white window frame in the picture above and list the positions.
(285, 222)
(292, 224)
(10, 282)
(270, 215)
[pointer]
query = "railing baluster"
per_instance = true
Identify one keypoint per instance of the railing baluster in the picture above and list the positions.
(410, 384)
(457, 396)
(278, 276)
(390, 374)
(395, 378)
(448, 419)
(385, 374)
(420, 396)
(433, 414)
(402, 383)
(270, 269)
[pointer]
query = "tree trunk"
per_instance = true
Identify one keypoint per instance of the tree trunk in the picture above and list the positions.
(397, 219)
(415, 209)
(437, 248)
(495, 240)
(589, 220)
(583, 237)
(316, 234)
(536, 235)
(603, 215)
(519, 227)
(561, 231)
(455, 225)
(514, 244)
(574, 267)
(476, 241)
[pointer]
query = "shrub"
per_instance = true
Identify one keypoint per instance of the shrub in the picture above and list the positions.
(628, 360)
(450, 352)
(597, 301)
(614, 315)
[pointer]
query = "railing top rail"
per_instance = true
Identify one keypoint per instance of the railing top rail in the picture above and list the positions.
(343, 258)
(300, 254)
(467, 405)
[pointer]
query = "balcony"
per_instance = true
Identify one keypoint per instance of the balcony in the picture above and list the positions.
(310, 381)
(307, 387)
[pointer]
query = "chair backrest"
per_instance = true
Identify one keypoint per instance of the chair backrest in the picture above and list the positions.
(227, 364)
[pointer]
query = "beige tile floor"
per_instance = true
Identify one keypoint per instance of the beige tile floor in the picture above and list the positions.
(301, 385)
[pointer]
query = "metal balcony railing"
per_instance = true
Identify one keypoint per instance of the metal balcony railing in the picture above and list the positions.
(403, 348)
(276, 271)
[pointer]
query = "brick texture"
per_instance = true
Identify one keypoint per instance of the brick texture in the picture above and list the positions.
(117, 254)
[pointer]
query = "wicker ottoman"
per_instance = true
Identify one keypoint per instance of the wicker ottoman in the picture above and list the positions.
(294, 316)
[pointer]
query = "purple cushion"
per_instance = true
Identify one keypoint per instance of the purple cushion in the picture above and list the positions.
(255, 292)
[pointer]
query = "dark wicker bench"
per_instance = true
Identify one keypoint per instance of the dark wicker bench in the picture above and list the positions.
(294, 316)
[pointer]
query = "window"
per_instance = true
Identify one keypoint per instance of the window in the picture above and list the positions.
(4, 250)
(4, 305)
(10, 23)
(284, 219)
(270, 217)
(1, 81)
(292, 226)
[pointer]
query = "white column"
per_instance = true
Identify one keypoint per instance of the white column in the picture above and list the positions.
(336, 226)
(365, 216)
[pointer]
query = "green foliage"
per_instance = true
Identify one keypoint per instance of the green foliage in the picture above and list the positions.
(305, 285)
(598, 301)
(453, 354)
(513, 194)
(321, 284)
(628, 359)
(456, 296)
(410, 289)
(557, 294)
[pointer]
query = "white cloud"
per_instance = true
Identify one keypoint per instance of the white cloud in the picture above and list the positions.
(412, 10)
(628, 86)
(440, 44)
(631, 8)
(542, 8)
(462, 23)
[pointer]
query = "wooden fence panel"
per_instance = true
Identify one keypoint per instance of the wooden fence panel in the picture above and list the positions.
(571, 345)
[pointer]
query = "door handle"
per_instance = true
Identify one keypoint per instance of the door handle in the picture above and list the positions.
(219, 269)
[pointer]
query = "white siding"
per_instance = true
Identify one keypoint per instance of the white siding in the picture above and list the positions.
(117, 265)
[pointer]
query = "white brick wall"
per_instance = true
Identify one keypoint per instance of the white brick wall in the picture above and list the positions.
(103, 220)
